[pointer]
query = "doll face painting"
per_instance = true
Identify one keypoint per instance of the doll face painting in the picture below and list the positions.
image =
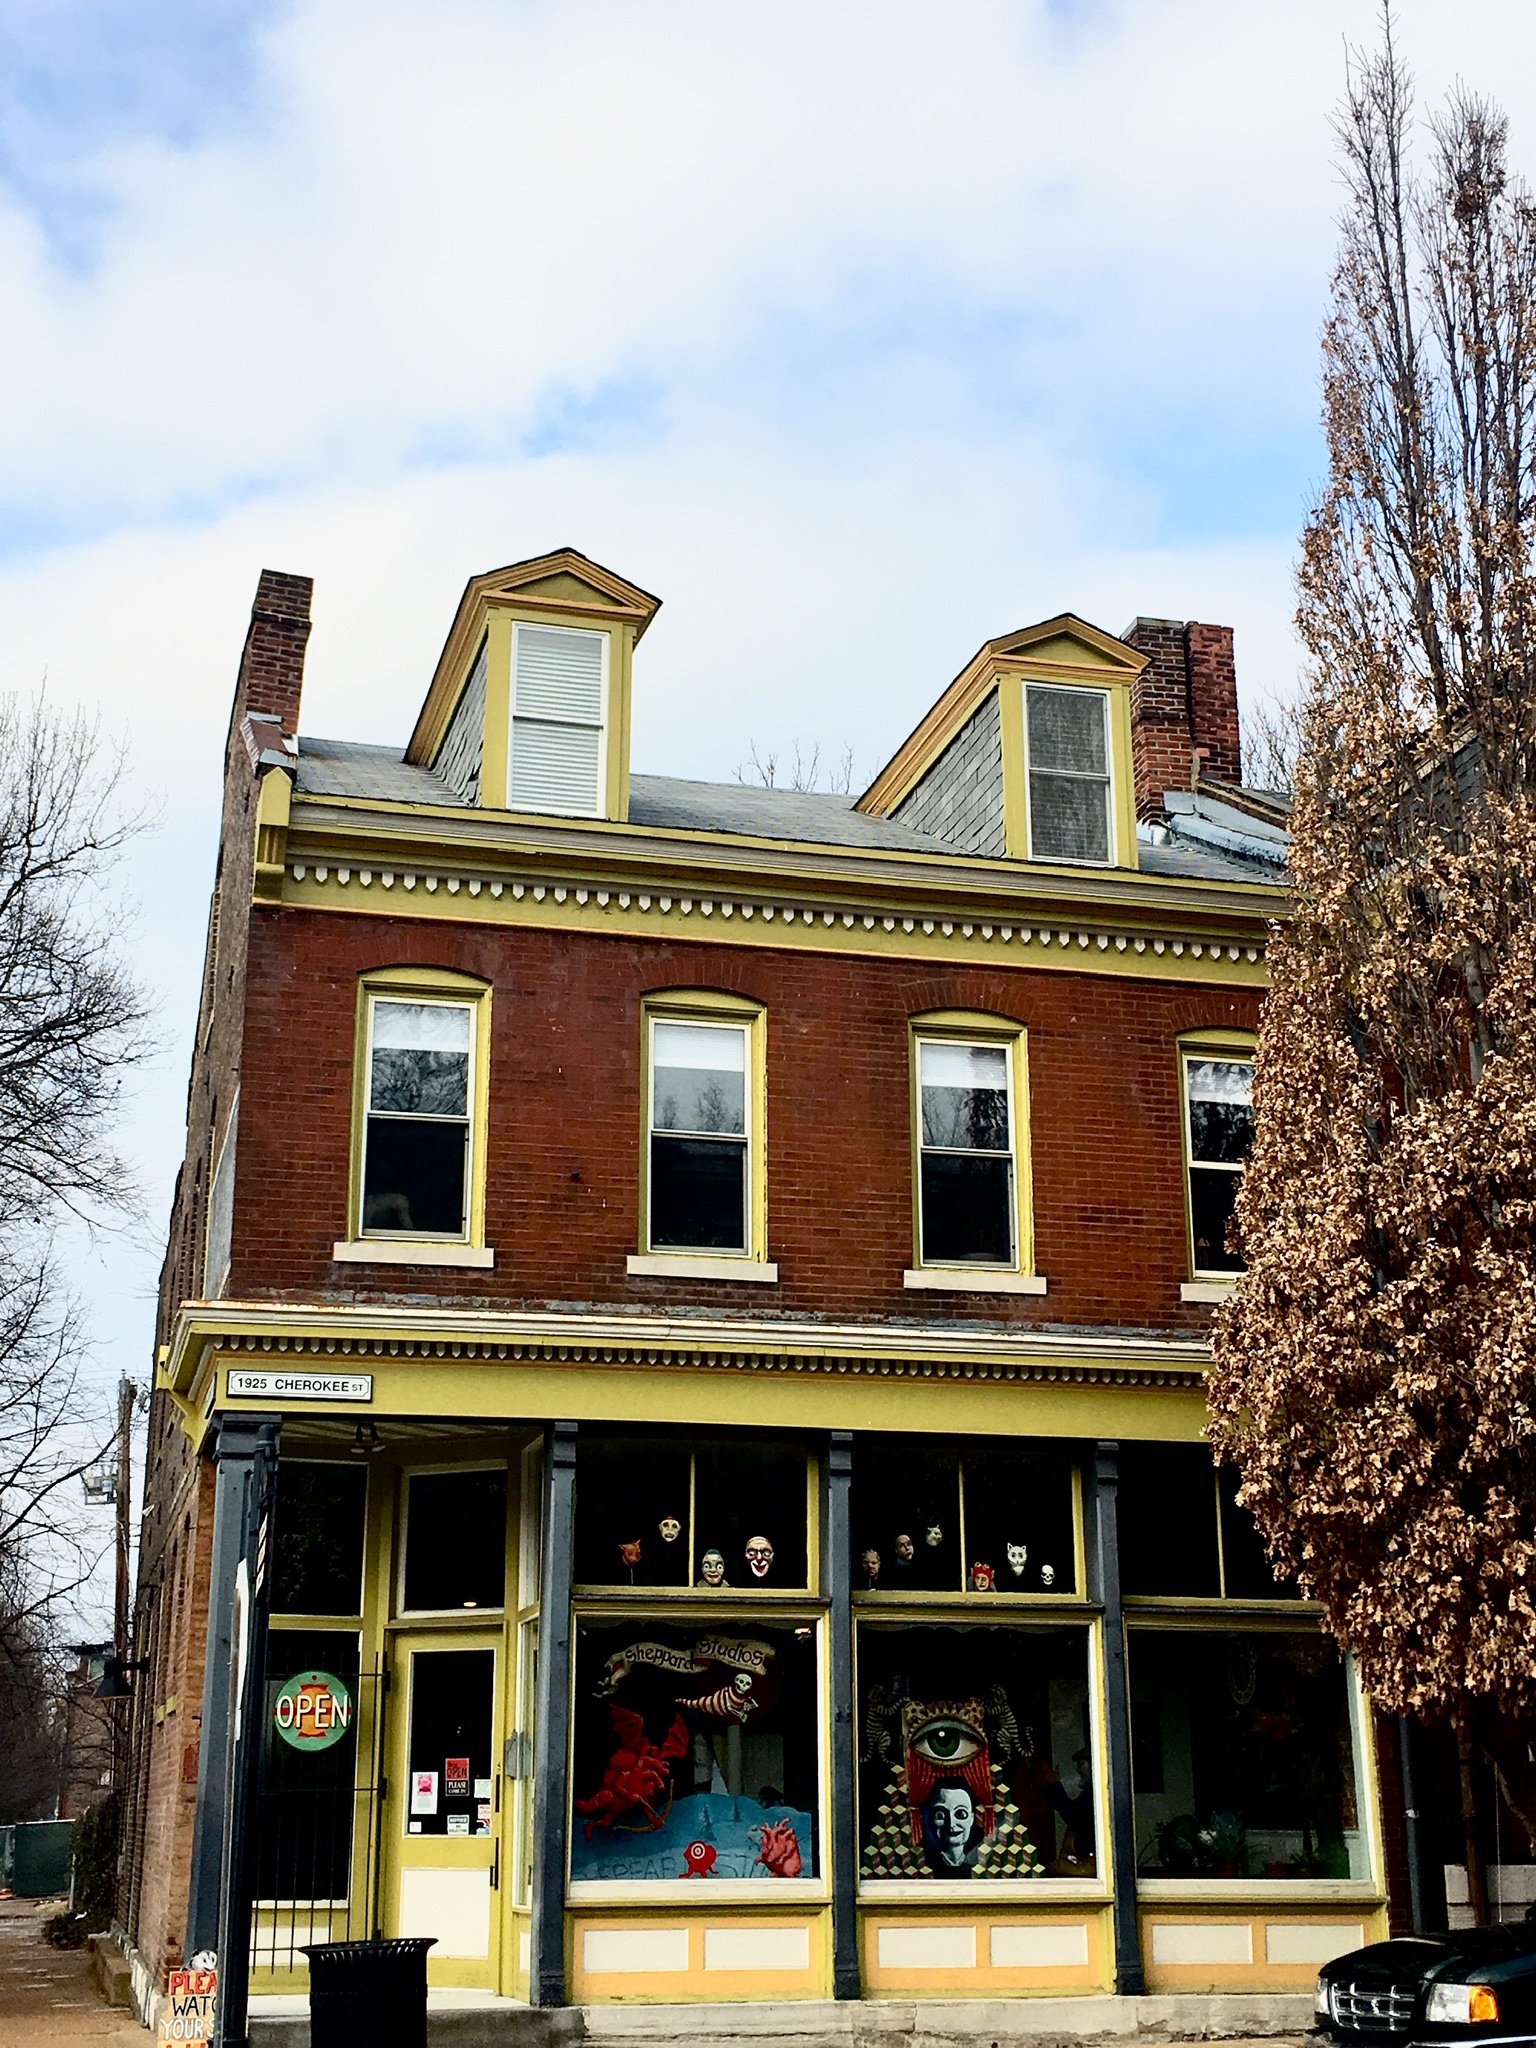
(671, 1528)
(759, 1556)
(904, 1549)
(712, 1568)
(1018, 1557)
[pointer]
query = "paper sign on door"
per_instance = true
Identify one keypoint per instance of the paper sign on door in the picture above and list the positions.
(456, 1777)
(423, 1791)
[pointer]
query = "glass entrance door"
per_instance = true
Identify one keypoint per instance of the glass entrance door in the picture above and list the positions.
(443, 1823)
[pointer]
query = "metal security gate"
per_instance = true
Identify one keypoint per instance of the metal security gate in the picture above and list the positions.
(315, 1821)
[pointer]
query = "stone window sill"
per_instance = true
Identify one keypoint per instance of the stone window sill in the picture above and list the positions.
(405, 1251)
(1209, 1291)
(699, 1266)
(973, 1280)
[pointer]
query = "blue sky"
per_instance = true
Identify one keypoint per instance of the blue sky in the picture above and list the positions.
(858, 330)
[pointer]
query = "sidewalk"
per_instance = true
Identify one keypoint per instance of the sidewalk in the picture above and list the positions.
(46, 1994)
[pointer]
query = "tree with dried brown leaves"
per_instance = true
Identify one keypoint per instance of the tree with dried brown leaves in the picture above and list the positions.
(1375, 1370)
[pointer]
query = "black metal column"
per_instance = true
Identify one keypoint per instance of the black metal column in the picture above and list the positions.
(1102, 1505)
(242, 1441)
(837, 1554)
(552, 1727)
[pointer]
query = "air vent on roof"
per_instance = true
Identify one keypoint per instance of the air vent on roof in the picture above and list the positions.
(557, 720)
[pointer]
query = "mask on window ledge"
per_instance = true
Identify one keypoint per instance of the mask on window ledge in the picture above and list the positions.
(712, 1569)
(759, 1557)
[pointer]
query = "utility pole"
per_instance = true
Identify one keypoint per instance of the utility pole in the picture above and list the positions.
(127, 1394)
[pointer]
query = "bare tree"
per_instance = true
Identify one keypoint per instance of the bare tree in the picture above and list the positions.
(1376, 1367)
(801, 772)
(72, 1027)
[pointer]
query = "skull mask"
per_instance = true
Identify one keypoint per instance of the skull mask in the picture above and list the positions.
(671, 1528)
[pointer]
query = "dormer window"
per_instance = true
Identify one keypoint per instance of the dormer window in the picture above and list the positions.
(559, 701)
(1070, 815)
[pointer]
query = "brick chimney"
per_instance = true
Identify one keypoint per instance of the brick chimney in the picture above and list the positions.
(272, 664)
(1183, 709)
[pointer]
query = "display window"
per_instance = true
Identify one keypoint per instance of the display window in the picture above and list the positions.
(1183, 1535)
(455, 1553)
(695, 1751)
(317, 1557)
(1245, 1756)
(976, 1749)
(931, 1515)
(726, 1516)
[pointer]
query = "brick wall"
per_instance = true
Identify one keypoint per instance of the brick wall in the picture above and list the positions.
(170, 1610)
(565, 1112)
(960, 799)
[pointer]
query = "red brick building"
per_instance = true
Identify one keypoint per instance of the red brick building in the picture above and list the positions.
(677, 1443)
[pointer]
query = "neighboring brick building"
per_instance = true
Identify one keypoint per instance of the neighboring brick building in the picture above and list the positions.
(681, 1352)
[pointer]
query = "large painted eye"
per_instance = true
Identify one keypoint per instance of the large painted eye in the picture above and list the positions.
(946, 1741)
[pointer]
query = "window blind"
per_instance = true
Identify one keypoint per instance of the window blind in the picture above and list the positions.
(557, 720)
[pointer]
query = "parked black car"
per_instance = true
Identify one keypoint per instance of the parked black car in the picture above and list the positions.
(1475, 1984)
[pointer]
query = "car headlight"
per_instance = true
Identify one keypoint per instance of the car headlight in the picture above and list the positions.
(1321, 2005)
(1460, 2004)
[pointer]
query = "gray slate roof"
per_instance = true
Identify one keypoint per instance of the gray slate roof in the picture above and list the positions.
(665, 802)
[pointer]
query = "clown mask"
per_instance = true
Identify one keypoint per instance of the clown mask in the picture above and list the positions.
(759, 1556)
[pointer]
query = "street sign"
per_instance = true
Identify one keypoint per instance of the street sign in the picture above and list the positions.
(301, 1386)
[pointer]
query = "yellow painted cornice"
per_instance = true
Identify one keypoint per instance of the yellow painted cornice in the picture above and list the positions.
(565, 584)
(400, 834)
(1063, 649)
(298, 1336)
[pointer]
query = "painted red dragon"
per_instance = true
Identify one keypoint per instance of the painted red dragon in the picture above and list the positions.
(637, 1773)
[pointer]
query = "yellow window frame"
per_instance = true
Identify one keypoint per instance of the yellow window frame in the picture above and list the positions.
(1217, 1042)
(712, 1006)
(976, 1027)
(423, 984)
(1013, 706)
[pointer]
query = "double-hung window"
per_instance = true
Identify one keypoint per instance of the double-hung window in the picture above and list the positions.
(700, 1154)
(418, 1118)
(559, 692)
(1070, 800)
(967, 1198)
(1218, 1099)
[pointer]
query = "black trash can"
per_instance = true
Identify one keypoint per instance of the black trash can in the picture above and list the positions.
(368, 1994)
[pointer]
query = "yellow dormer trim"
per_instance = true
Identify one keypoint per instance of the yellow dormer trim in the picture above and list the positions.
(1064, 649)
(560, 589)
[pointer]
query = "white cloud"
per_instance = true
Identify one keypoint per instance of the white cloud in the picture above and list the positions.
(872, 328)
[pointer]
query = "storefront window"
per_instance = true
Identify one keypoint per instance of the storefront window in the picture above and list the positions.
(317, 1564)
(931, 1516)
(305, 1788)
(1183, 1535)
(1243, 1756)
(661, 1511)
(694, 1751)
(455, 1541)
(975, 1753)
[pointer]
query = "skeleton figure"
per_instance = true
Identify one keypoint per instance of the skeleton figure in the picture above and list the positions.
(882, 1717)
(712, 1569)
(1002, 1725)
(759, 1556)
(670, 1527)
(1018, 1557)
